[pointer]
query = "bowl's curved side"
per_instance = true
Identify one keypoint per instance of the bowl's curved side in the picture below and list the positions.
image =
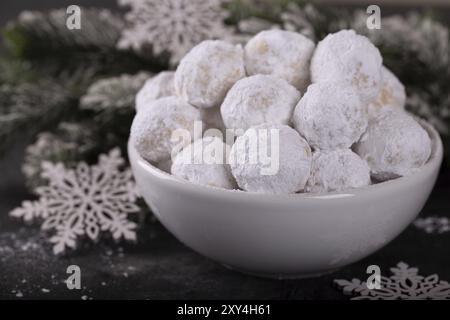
(285, 235)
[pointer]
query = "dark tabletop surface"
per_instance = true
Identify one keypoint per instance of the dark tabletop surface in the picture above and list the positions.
(159, 267)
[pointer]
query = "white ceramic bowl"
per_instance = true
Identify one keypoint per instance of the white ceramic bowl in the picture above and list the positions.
(286, 236)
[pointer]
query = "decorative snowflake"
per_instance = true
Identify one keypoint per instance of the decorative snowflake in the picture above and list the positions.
(404, 284)
(84, 201)
(433, 224)
(172, 26)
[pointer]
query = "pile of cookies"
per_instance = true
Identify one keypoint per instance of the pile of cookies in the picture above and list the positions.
(331, 116)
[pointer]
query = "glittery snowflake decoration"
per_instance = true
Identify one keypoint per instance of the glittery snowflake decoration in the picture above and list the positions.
(84, 201)
(404, 284)
(172, 26)
(433, 224)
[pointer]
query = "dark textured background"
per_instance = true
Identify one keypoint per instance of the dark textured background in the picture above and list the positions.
(159, 267)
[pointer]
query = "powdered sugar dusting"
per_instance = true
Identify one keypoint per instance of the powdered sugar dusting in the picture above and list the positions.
(337, 170)
(204, 162)
(281, 53)
(294, 162)
(350, 58)
(330, 116)
(392, 94)
(394, 145)
(152, 128)
(154, 88)
(208, 71)
(259, 99)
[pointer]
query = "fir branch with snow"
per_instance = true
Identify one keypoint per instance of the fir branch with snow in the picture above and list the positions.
(116, 94)
(31, 107)
(70, 143)
(43, 39)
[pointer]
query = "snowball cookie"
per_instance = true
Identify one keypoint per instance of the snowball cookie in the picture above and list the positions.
(394, 145)
(350, 58)
(284, 54)
(208, 71)
(204, 162)
(154, 88)
(152, 128)
(330, 116)
(337, 170)
(259, 99)
(271, 159)
(392, 94)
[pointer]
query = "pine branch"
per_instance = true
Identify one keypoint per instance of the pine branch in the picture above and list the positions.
(47, 67)
(110, 102)
(14, 71)
(31, 108)
(265, 9)
(37, 33)
(69, 143)
(107, 110)
(115, 94)
(43, 39)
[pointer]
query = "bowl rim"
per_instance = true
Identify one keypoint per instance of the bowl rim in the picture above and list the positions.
(433, 163)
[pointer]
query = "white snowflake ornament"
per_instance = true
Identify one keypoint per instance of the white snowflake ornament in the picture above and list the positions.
(405, 283)
(84, 201)
(172, 26)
